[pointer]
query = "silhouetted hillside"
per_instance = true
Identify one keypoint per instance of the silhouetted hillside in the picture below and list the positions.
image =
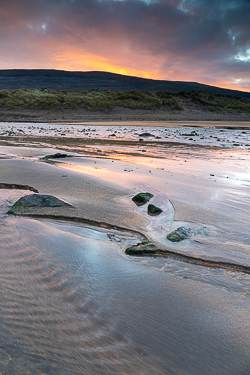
(65, 80)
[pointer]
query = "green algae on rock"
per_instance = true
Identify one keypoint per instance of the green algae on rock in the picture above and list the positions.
(153, 210)
(36, 200)
(142, 248)
(180, 234)
(141, 198)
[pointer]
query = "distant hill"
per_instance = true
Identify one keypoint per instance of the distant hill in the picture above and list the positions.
(65, 80)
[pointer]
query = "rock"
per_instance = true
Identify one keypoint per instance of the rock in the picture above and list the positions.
(141, 198)
(180, 234)
(146, 135)
(153, 210)
(36, 200)
(58, 155)
(142, 249)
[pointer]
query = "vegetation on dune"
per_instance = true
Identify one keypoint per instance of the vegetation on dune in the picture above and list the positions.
(107, 99)
(219, 103)
(93, 99)
(27, 98)
(168, 100)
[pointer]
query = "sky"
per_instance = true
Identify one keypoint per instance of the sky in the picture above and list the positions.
(206, 41)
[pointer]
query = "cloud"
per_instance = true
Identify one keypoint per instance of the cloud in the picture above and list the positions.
(198, 40)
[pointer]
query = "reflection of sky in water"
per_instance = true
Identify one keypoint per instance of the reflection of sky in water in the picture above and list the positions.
(226, 170)
(190, 135)
(218, 177)
(232, 166)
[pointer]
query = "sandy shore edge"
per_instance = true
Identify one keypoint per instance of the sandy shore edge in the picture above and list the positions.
(117, 114)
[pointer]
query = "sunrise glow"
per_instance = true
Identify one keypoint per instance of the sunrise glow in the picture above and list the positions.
(206, 42)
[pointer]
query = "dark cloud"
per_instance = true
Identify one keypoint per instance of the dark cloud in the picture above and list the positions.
(197, 39)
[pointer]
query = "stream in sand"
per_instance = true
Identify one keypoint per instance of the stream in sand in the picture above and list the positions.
(72, 302)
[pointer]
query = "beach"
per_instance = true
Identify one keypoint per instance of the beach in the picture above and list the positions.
(93, 308)
(190, 112)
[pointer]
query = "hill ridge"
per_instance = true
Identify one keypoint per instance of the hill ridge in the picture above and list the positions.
(80, 80)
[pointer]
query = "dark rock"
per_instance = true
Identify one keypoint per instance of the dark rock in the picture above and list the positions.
(179, 234)
(146, 135)
(37, 200)
(141, 198)
(18, 187)
(141, 249)
(153, 210)
(58, 155)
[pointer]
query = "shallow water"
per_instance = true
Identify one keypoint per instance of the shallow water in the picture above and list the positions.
(224, 192)
(73, 303)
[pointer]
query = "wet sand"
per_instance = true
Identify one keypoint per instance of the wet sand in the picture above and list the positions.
(137, 315)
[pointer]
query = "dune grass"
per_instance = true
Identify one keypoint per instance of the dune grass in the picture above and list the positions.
(92, 99)
(219, 103)
(107, 99)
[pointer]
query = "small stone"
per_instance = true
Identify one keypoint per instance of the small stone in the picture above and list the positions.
(142, 249)
(58, 155)
(141, 198)
(146, 135)
(153, 210)
(180, 234)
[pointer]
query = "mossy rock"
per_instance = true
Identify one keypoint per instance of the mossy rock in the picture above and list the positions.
(180, 234)
(141, 249)
(141, 198)
(36, 200)
(154, 210)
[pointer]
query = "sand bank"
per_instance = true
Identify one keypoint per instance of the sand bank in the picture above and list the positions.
(118, 114)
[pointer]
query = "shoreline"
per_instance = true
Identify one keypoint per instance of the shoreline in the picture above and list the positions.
(118, 114)
(166, 124)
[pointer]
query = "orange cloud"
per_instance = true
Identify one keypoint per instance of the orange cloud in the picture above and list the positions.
(157, 39)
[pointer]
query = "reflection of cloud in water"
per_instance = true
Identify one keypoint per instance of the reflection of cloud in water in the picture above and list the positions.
(232, 166)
